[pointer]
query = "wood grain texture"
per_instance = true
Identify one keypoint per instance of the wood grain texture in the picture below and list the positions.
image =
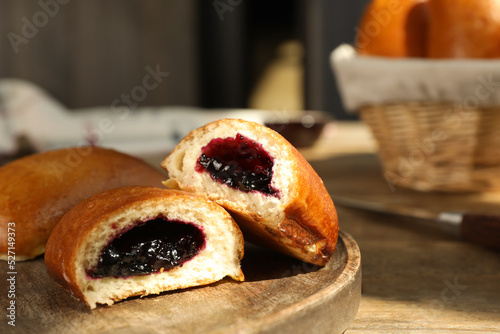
(280, 294)
(416, 278)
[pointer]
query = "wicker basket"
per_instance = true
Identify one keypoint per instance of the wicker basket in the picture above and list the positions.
(437, 146)
(437, 122)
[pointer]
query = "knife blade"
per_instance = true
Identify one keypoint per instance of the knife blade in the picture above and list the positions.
(478, 228)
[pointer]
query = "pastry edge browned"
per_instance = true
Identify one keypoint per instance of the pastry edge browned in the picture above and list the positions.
(310, 216)
(66, 239)
(40, 188)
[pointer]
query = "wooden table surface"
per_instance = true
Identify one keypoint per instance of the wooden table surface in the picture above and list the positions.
(416, 278)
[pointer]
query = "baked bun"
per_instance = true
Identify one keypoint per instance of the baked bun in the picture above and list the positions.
(37, 190)
(464, 29)
(135, 241)
(270, 189)
(393, 29)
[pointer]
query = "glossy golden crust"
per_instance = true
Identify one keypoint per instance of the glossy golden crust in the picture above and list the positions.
(440, 29)
(37, 190)
(78, 226)
(309, 228)
(392, 28)
(313, 209)
(464, 29)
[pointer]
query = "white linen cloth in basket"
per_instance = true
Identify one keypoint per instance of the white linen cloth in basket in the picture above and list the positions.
(368, 80)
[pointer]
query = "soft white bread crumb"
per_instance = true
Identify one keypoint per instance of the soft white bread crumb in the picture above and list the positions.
(219, 258)
(301, 221)
(181, 164)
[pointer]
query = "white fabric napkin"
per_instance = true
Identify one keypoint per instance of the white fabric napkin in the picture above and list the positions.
(366, 80)
(27, 110)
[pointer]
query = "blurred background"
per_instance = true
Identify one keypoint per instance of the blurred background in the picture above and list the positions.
(218, 54)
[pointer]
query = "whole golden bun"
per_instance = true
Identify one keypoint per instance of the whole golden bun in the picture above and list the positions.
(393, 28)
(37, 190)
(464, 29)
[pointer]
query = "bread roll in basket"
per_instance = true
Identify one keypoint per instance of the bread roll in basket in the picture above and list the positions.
(434, 113)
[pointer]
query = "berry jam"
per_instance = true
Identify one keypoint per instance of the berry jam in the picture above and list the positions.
(149, 247)
(240, 163)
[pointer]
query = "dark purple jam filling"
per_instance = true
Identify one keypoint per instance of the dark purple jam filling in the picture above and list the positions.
(149, 247)
(240, 163)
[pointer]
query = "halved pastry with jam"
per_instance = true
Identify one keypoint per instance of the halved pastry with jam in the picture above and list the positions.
(273, 193)
(136, 241)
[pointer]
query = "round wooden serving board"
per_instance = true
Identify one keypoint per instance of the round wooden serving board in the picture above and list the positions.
(280, 295)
